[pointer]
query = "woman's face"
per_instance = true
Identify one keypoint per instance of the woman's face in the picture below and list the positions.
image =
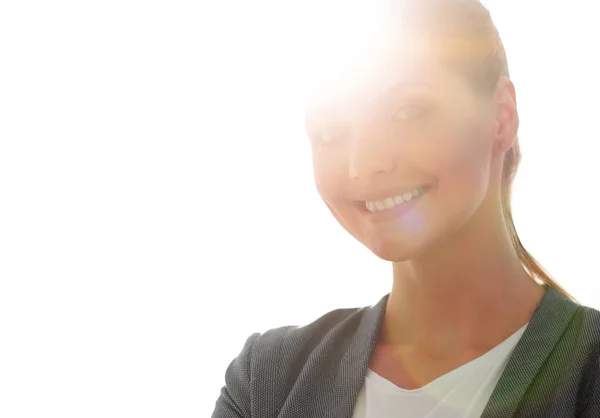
(403, 159)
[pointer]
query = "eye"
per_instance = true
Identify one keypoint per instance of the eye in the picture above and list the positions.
(329, 135)
(412, 111)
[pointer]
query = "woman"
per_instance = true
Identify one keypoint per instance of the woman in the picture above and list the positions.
(416, 162)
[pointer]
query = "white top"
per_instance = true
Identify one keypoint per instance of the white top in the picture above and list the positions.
(460, 393)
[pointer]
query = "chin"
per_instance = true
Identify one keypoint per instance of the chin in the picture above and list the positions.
(393, 252)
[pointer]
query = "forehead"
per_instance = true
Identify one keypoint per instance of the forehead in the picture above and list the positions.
(376, 77)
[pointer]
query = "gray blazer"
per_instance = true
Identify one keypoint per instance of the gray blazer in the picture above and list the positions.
(317, 370)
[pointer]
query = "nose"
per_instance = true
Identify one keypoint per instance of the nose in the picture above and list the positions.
(371, 154)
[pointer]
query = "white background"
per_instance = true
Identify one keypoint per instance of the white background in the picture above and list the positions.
(156, 195)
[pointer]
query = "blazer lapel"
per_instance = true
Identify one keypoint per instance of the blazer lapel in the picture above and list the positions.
(329, 388)
(545, 328)
(355, 362)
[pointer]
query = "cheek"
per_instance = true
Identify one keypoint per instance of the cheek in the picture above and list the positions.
(463, 166)
(445, 142)
(473, 148)
(328, 175)
(329, 178)
(448, 143)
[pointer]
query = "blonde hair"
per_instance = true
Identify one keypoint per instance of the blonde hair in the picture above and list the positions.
(463, 34)
(533, 267)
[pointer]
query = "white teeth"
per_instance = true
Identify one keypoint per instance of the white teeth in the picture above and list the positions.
(391, 202)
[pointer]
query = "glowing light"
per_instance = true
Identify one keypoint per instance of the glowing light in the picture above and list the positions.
(342, 35)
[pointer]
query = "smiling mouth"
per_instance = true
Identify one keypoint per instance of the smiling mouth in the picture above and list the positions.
(394, 201)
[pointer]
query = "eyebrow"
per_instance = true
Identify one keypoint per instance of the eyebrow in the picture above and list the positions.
(316, 114)
(399, 87)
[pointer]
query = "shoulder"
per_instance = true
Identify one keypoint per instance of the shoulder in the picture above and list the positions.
(581, 337)
(591, 314)
(587, 325)
(293, 344)
(270, 362)
(586, 353)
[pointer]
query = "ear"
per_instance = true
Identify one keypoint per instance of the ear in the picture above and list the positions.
(506, 115)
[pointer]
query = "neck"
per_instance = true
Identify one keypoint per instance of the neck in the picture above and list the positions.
(470, 291)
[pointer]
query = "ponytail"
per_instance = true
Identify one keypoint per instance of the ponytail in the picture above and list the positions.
(531, 265)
